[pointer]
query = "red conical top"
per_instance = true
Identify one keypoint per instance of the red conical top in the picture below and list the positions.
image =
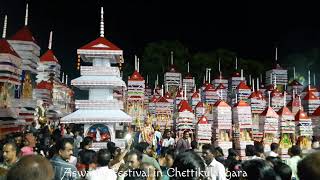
(136, 76)
(203, 120)
(184, 106)
(49, 57)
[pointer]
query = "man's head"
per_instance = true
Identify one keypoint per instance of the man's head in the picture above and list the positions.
(134, 159)
(308, 168)
(295, 150)
(65, 148)
(31, 167)
(274, 147)
(30, 140)
(68, 129)
(168, 134)
(104, 157)
(186, 135)
(144, 147)
(10, 152)
(250, 150)
(208, 153)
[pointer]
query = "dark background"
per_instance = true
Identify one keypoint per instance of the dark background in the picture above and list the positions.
(251, 29)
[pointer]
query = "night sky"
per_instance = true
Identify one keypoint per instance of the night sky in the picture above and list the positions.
(250, 29)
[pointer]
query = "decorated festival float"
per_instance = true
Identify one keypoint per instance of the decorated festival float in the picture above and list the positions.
(101, 114)
(222, 126)
(27, 48)
(186, 119)
(286, 129)
(10, 73)
(258, 105)
(242, 127)
(136, 96)
(269, 120)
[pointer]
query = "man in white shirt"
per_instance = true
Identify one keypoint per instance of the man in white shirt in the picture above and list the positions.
(103, 171)
(215, 170)
(274, 150)
(168, 140)
(295, 157)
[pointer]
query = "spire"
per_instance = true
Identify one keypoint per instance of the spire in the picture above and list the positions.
(261, 78)
(167, 87)
(147, 79)
(102, 24)
(62, 78)
(135, 62)
(66, 79)
(188, 67)
(209, 69)
(276, 55)
(294, 72)
(241, 74)
(257, 84)
(206, 74)
(171, 57)
(271, 80)
(250, 79)
(157, 80)
(138, 65)
(26, 16)
(253, 85)
(162, 90)
(309, 80)
(314, 79)
(4, 32)
(50, 40)
(219, 65)
(236, 63)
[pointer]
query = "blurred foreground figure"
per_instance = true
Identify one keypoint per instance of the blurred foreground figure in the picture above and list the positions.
(308, 168)
(31, 167)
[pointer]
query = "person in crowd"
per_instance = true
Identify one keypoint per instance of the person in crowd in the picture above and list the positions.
(274, 161)
(103, 171)
(30, 143)
(283, 171)
(250, 151)
(144, 148)
(167, 140)
(188, 162)
(86, 144)
(232, 160)
(62, 168)
(257, 169)
(77, 141)
(158, 137)
(194, 145)
(68, 133)
(274, 150)
(118, 155)
(87, 161)
(133, 162)
(18, 140)
(295, 157)
(166, 160)
(183, 143)
(31, 167)
(308, 168)
(259, 151)
(215, 169)
(10, 152)
(219, 156)
(33, 128)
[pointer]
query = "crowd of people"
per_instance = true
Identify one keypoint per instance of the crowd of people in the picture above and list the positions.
(64, 154)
